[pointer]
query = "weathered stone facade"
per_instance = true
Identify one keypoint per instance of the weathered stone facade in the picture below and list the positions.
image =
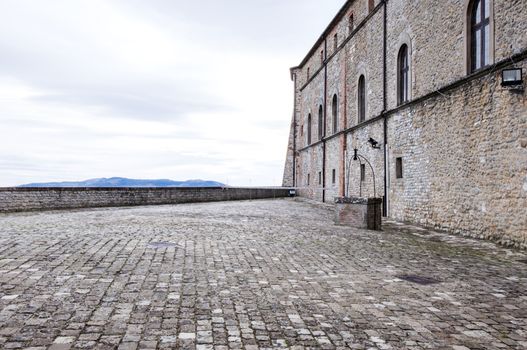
(461, 136)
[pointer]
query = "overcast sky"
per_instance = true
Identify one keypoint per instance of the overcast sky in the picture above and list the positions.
(173, 89)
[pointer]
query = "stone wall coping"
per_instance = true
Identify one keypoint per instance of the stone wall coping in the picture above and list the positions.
(357, 200)
(66, 189)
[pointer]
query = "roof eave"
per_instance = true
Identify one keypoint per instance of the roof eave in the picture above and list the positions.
(329, 28)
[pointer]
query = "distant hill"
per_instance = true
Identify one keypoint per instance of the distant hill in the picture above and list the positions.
(124, 182)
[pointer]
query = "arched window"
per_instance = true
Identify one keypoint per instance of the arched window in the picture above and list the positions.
(371, 5)
(320, 123)
(403, 75)
(480, 43)
(351, 25)
(309, 129)
(361, 99)
(335, 113)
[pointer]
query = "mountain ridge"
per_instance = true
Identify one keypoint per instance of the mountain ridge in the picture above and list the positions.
(125, 182)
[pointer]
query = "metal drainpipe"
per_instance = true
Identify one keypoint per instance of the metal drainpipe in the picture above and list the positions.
(385, 107)
(345, 121)
(294, 132)
(324, 123)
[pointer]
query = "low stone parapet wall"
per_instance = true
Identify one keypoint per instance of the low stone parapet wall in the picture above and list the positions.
(16, 199)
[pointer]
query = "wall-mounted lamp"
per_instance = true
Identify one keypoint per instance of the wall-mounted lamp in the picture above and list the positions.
(511, 77)
(373, 143)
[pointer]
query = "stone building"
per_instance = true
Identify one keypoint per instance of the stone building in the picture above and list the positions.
(431, 94)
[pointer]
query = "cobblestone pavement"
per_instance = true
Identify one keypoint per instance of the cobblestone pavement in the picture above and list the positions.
(252, 274)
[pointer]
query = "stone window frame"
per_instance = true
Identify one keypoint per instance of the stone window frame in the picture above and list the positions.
(362, 70)
(321, 126)
(308, 179)
(334, 176)
(320, 178)
(399, 168)
(403, 75)
(362, 99)
(351, 23)
(370, 5)
(469, 5)
(335, 112)
(309, 130)
(404, 39)
(363, 172)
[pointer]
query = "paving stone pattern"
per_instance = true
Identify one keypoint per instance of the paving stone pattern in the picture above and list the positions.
(249, 275)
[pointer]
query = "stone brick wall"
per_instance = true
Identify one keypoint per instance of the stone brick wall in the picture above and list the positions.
(289, 164)
(464, 161)
(14, 199)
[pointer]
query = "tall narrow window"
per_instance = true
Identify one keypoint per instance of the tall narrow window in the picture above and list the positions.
(335, 42)
(320, 178)
(351, 25)
(479, 34)
(403, 74)
(399, 167)
(322, 56)
(320, 123)
(371, 5)
(335, 113)
(363, 172)
(361, 100)
(307, 73)
(309, 129)
(333, 176)
(308, 178)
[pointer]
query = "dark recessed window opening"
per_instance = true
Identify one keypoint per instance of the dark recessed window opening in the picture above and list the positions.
(320, 123)
(361, 92)
(333, 176)
(335, 42)
(322, 56)
(308, 178)
(350, 23)
(320, 178)
(480, 34)
(363, 172)
(307, 73)
(309, 129)
(399, 167)
(403, 74)
(335, 113)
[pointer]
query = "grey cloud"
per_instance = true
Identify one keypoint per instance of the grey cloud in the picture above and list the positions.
(123, 104)
(256, 25)
(56, 48)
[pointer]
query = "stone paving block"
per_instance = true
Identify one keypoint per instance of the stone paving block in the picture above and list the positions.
(250, 275)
